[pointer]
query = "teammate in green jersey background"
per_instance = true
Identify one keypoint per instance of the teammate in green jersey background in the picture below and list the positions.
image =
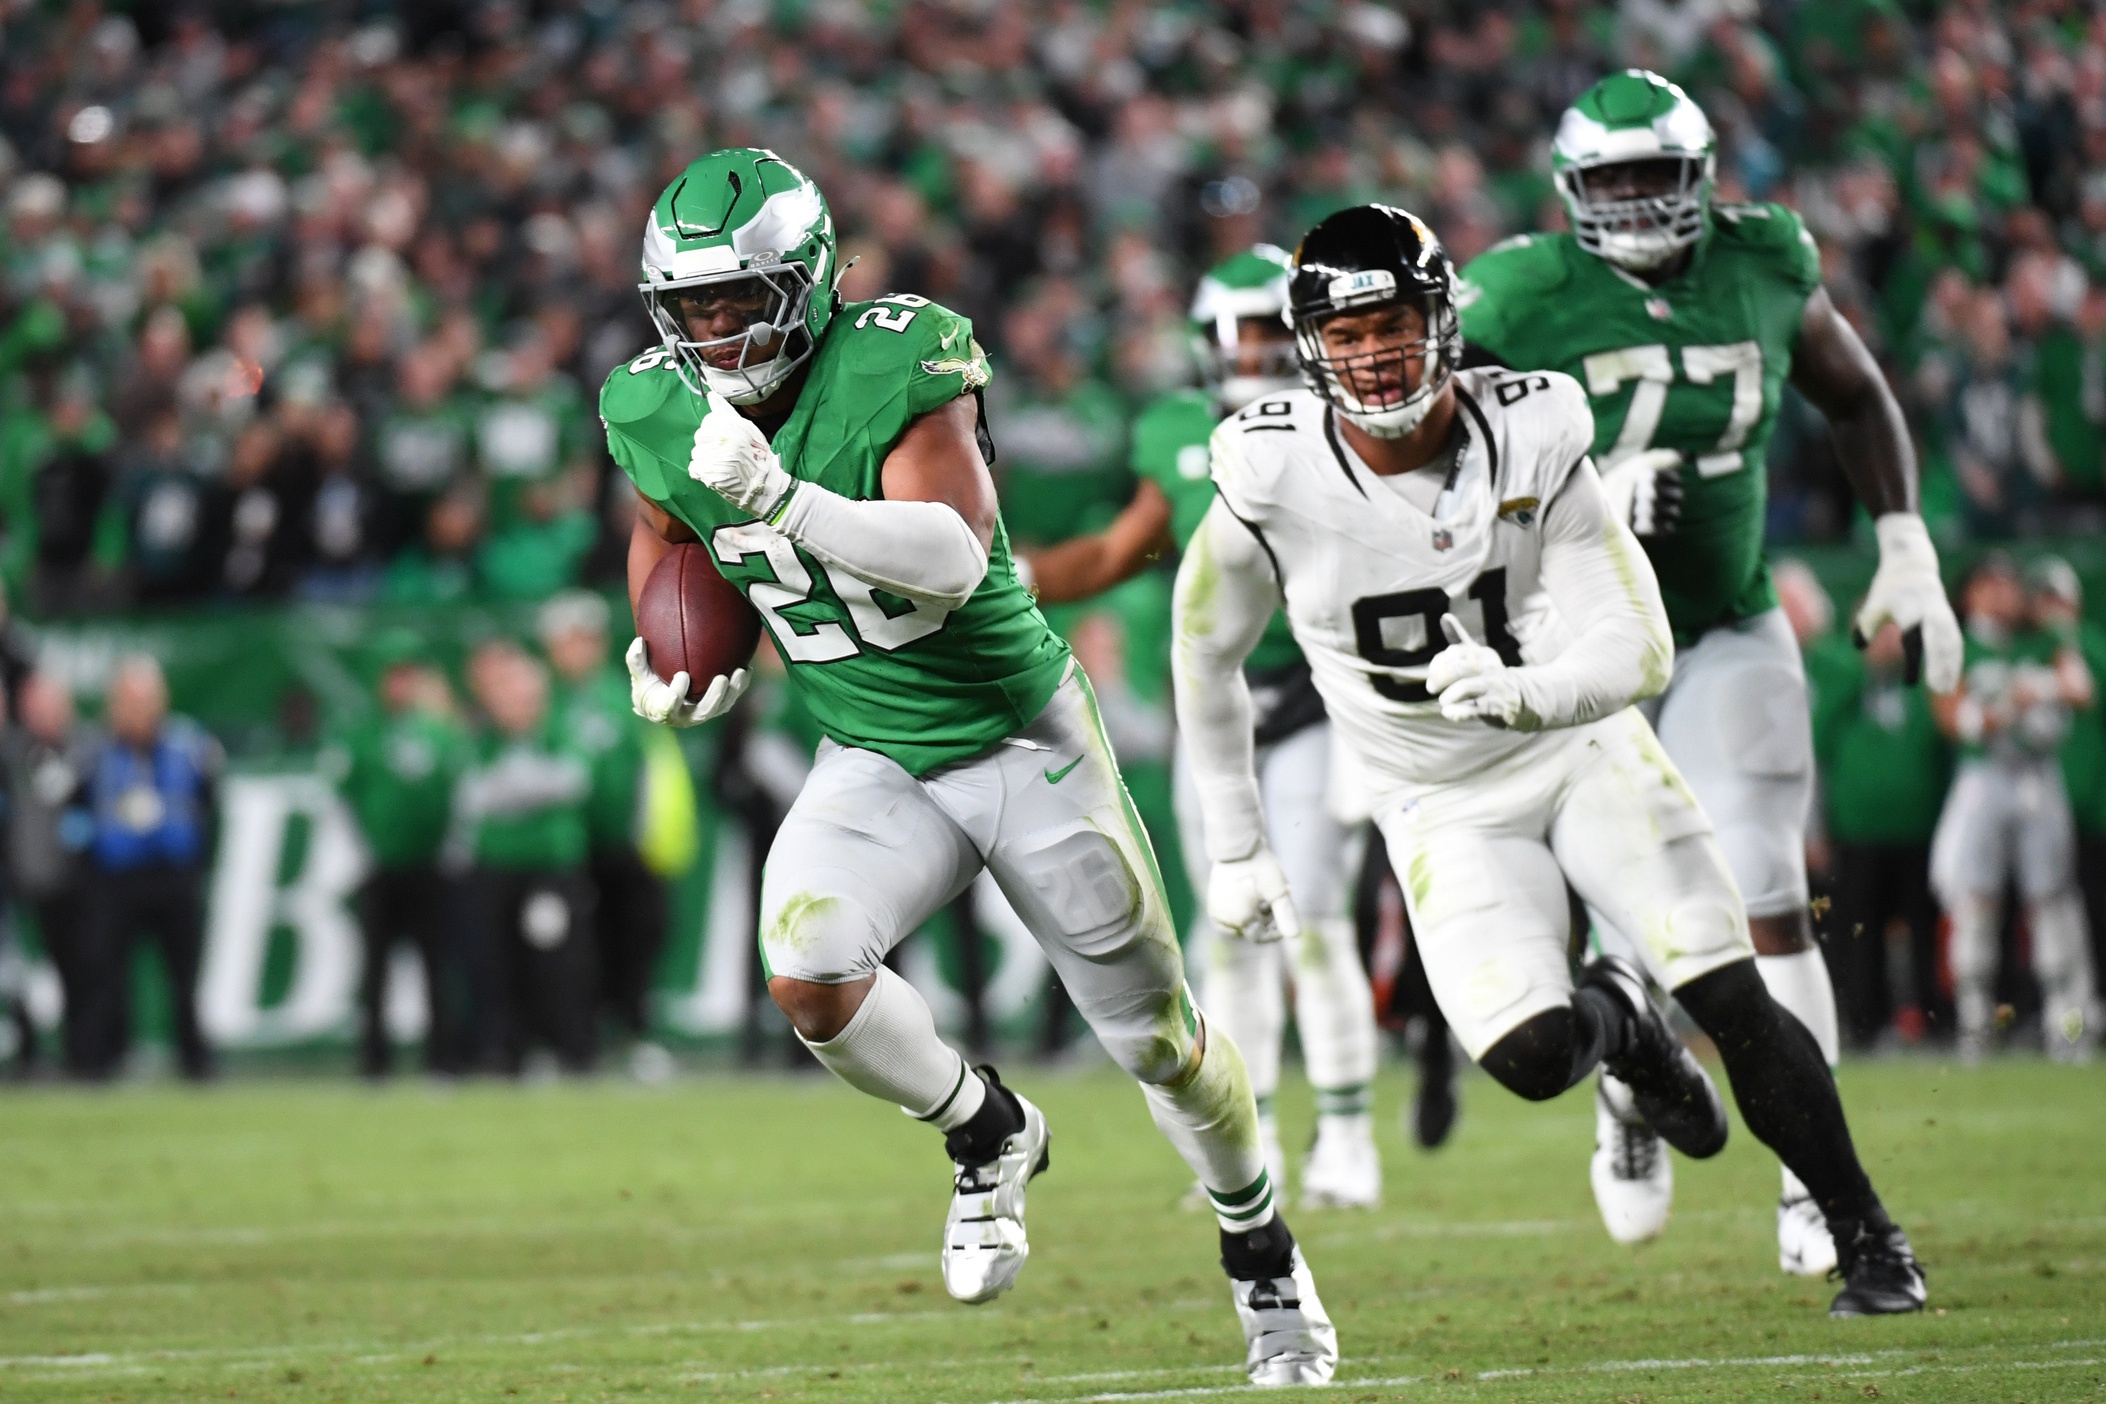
(1246, 351)
(2007, 815)
(395, 768)
(832, 461)
(1684, 318)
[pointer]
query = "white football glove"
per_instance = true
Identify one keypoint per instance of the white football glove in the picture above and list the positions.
(656, 700)
(1248, 898)
(1907, 589)
(731, 456)
(1473, 682)
(1644, 490)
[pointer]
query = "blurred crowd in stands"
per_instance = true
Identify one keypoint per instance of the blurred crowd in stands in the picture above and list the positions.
(312, 301)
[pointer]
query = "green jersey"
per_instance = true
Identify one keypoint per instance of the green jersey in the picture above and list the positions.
(1170, 450)
(1697, 364)
(1884, 763)
(594, 713)
(396, 774)
(877, 671)
(2084, 753)
(525, 799)
(1993, 671)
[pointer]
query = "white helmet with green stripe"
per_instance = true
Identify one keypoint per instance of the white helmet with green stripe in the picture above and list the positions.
(739, 267)
(1634, 160)
(1249, 287)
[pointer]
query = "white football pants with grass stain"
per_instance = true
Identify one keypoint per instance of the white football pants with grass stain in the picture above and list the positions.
(868, 852)
(1243, 984)
(1484, 862)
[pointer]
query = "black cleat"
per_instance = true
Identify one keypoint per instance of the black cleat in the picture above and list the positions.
(1879, 1271)
(1433, 1106)
(1669, 1087)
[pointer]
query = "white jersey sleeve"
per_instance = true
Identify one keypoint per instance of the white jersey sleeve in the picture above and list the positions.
(1616, 647)
(1226, 594)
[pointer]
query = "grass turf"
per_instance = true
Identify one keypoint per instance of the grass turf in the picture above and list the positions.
(756, 1239)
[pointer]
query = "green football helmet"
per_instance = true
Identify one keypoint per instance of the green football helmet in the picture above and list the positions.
(739, 267)
(1634, 160)
(1250, 286)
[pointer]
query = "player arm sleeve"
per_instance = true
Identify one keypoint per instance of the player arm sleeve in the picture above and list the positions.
(922, 550)
(1604, 587)
(1226, 594)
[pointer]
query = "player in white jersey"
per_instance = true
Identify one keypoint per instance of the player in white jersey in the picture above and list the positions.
(1403, 511)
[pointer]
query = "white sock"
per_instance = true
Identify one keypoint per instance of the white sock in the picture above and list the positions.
(2062, 961)
(1245, 997)
(1210, 1118)
(1973, 957)
(890, 1049)
(1799, 982)
(1334, 1012)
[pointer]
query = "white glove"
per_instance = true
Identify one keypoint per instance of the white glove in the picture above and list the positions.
(732, 457)
(656, 700)
(1248, 898)
(1473, 682)
(1644, 490)
(1907, 590)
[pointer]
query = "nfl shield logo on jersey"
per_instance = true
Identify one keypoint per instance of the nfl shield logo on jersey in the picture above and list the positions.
(1658, 308)
(1443, 539)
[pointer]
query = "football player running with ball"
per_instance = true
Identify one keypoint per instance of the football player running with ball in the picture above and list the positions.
(832, 461)
(1479, 622)
(1683, 318)
(1246, 350)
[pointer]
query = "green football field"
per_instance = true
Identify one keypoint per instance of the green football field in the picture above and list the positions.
(775, 1239)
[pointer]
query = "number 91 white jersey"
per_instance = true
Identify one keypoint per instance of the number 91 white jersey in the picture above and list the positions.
(1367, 575)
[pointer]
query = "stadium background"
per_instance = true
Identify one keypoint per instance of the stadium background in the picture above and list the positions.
(304, 307)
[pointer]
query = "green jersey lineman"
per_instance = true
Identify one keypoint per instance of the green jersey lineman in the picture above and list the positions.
(832, 460)
(1696, 364)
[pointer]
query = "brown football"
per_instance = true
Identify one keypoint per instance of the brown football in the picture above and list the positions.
(693, 620)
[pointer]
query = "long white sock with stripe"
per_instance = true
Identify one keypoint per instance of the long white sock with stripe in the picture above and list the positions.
(891, 1050)
(1334, 1014)
(1209, 1115)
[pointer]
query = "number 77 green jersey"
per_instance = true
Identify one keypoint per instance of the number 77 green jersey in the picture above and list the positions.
(875, 670)
(1696, 364)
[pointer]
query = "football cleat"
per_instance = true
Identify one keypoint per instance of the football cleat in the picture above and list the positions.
(1880, 1274)
(1804, 1247)
(1633, 1176)
(984, 1246)
(1669, 1087)
(1343, 1170)
(1292, 1341)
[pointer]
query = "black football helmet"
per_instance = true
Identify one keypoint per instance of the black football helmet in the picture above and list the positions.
(1366, 257)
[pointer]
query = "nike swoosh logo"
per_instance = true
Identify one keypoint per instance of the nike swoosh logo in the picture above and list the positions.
(948, 337)
(1054, 777)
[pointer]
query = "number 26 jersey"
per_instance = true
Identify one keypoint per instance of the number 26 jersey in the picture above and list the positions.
(1367, 574)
